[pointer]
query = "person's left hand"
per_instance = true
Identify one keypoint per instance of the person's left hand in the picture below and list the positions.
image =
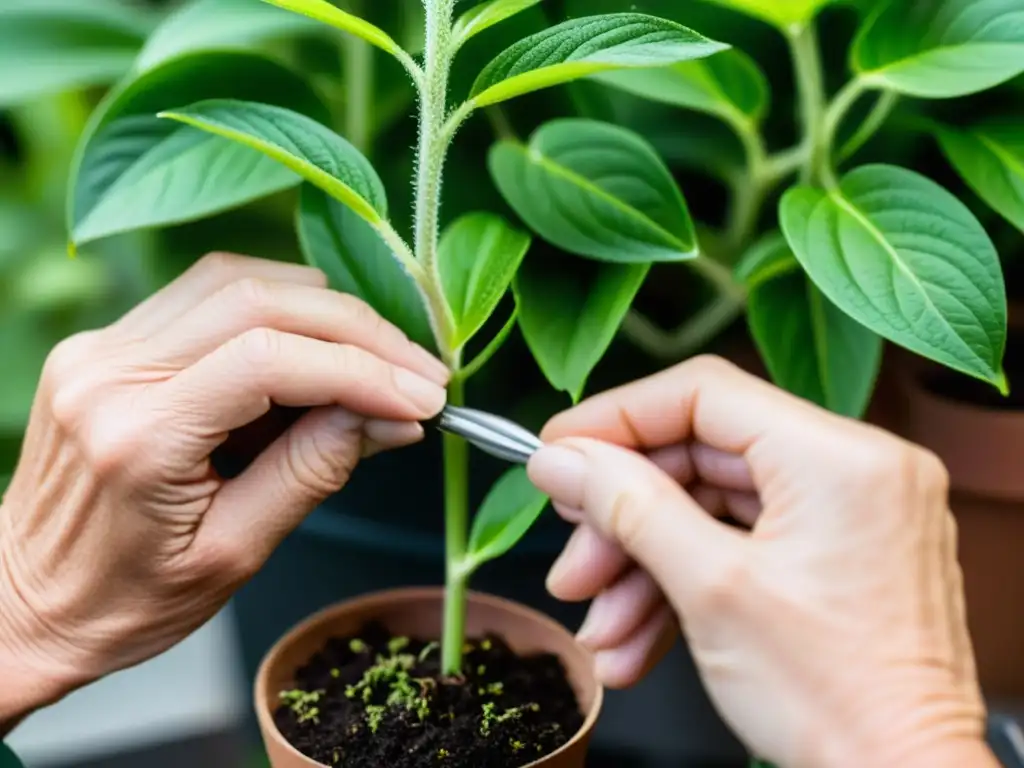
(117, 536)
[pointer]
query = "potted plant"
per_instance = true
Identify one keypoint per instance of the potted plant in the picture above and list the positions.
(589, 187)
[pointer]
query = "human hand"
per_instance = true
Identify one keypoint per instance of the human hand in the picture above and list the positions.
(117, 537)
(832, 633)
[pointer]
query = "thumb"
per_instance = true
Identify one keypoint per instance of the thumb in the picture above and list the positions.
(630, 500)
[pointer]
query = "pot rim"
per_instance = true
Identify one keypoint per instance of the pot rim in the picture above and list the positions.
(406, 594)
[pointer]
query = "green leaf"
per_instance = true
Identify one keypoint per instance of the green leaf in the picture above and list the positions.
(990, 157)
(810, 347)
(203, 25)
(941, 48)
(784, 14)
(580, 48)
(904, 257)
(507, 514)
(324, 12)
(729, 85)
(306, 147)
(570, 312)
(478, 257)
(51, 46)
(486, 15)
(769, 258)
(357, 261)
(596, 190)
(134, 171)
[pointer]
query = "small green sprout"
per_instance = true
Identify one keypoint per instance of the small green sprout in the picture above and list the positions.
(375, 716)
(357, 646)
(428, 649)
(492, 719)
(335, 673)
(302, 704)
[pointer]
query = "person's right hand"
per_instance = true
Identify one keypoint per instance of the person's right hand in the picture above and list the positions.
(117, 536)
(831, 634)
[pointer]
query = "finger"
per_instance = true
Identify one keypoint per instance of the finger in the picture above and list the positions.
(589, 564)
(207, 276)
(628, 664)
(237, 384)
(629, 500)
(297, 309)
(728, 471)
(705, 400)
(620, 611)
(311, 461)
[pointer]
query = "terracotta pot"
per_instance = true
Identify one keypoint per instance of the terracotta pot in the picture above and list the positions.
(417, 612)
(982, 448)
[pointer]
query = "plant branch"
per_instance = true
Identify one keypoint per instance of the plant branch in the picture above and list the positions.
(884, 106)
(358, 56)
(811, 87)
(468, 371)
(690, 337)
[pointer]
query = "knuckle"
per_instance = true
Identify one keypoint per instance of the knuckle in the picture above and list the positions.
(258, 349)
(319, 465)
(252, 295)
(220, 263)
(931, 471)
(709, 366)
(363, 315)
(222, 559)
(358, 365)
(630, 516)
(115, 445)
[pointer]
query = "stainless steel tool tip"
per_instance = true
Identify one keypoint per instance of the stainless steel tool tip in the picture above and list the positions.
(492, 434)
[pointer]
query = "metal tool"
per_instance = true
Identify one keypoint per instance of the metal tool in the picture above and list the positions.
(492, 434)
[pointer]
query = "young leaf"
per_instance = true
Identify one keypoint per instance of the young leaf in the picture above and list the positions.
(990, 157)
(357, 261)
(729, 85)
(324, 12)
(570, 312)
(784, 14)
(176, 173)
(486, 15)
(204, 24)
(810, 347)
(478, 257)
(50, 46)
(580, 48)
(903, 256)
(507, 514)
(303, 145)
(942, 48)
(596, 190)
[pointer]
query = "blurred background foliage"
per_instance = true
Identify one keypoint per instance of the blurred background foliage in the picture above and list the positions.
(52, 78)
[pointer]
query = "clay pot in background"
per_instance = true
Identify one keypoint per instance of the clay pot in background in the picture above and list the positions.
(980, 437)
(417, 612)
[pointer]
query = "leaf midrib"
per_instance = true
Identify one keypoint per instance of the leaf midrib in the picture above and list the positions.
(555, 169)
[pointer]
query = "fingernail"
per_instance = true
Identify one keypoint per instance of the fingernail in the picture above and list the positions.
(393, 434)
(560, 473)
(595, 625)
(432, 367)
(423, 393)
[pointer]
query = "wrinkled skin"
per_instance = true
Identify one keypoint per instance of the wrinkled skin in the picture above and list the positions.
(832, 633)
(117, 537)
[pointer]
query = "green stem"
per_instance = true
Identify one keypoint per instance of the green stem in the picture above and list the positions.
(471, 369)
(456, 521)
(874, 121)
(359, 62)
(811, 87)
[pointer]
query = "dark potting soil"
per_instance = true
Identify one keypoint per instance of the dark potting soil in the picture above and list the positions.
(375, 701)
(964, 389)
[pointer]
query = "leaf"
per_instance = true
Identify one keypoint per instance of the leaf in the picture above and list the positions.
(990, 157)
(941, 48)
(810, 347)
(904, 257)
(324, 12)
(357, 261)
(506, 516)
(484, 16)
(769, 258)
(175, 173)
(478, 257)
(583, 47)
(784, 14)
(306, 147)
(219, 24)
(596, 190)
(52, 46)
(569, 314)
(729, 85)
